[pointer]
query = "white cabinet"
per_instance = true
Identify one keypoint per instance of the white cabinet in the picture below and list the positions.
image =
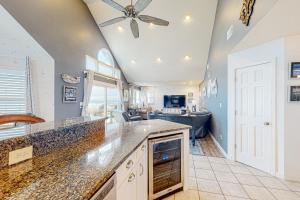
(132, 175)
(127, 189)
(142, 176)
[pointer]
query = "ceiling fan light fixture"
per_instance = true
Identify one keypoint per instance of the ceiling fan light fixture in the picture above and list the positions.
(133, 12)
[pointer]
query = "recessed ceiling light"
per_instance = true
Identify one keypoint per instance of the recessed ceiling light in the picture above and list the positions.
(187, 58)
(158, 60)
(120, 29)
(133, 62)
(187, 19)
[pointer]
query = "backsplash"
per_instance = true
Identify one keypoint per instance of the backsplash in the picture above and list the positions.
(50, 136)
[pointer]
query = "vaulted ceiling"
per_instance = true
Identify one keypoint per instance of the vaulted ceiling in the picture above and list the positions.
(176, 53)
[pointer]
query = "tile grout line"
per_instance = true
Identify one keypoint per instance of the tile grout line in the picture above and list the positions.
(288, 189)
(196, 179)
(216, 178)
(263, 185)
(249, 197)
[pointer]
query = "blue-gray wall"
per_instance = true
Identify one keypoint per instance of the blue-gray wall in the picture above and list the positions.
(67, 31)
(227, 15)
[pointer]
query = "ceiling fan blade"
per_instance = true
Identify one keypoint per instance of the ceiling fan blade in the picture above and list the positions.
(153, 20)
(115, 5)
(112, 21)
(134, 28)
(140, 5)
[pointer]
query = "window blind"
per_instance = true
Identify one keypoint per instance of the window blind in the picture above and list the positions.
(13, 86)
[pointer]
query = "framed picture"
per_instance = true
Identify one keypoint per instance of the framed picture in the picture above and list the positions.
(190, 95)
(70, 94)
(295, 70)
(294, 93)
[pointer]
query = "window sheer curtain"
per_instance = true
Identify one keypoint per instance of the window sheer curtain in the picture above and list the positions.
(88, 86)
(120, 88)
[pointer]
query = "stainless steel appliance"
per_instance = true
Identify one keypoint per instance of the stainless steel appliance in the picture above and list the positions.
(107, 191)
(165, 165)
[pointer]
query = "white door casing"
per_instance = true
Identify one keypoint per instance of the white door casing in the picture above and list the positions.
(254, 119)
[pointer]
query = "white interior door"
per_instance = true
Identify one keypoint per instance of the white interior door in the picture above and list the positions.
(254, 104)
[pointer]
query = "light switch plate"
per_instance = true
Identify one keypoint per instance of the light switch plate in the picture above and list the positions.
(20, 155)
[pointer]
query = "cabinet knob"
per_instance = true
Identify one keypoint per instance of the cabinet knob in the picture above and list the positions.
(131, 177)
(143, 148)
(129, 164)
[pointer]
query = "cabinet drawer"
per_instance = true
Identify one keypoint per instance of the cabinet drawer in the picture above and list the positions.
(142, 150)
(126, 167)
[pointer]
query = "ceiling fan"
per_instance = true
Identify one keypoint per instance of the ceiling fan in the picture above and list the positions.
(133, 12)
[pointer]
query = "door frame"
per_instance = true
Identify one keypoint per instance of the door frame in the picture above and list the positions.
(233, 67)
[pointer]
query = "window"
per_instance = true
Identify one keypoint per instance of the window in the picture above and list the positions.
(113, 103)
(97, 104)
(102, 68)
(105, 56)
(105, 100)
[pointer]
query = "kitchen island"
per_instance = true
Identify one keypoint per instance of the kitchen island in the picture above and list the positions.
(78, 170)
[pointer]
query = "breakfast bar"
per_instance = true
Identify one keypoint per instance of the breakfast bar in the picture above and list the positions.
(81, 156)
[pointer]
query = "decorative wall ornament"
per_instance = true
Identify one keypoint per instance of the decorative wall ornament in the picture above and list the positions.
(70, 79)
(247, 11)
(204, 92)
(208, 89)
(214, 87)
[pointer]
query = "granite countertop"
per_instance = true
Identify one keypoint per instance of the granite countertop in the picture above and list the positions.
(79, 170)
(27, 130)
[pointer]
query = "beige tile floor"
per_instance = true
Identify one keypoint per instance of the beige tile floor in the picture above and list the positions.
(212, 178)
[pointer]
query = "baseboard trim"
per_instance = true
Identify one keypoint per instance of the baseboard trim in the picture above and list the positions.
(218, 145)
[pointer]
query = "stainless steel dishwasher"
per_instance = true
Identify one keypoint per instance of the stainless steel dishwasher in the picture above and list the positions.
(107, 191)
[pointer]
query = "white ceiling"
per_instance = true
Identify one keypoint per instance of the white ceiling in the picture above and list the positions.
(171, 43)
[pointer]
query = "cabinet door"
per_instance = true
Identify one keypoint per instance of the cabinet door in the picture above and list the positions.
(142, 178)
(127, 190)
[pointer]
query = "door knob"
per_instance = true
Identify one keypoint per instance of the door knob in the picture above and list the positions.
(267, 123)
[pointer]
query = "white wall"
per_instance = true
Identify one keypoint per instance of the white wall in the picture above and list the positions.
(16, 42)
(267, 52)
(160, 91)
(282, 21)
(285, 51)
(292, 115)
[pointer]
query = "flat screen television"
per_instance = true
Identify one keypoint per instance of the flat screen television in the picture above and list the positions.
(174, 101)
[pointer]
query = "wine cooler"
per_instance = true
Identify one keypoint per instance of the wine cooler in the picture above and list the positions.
(165, 165)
